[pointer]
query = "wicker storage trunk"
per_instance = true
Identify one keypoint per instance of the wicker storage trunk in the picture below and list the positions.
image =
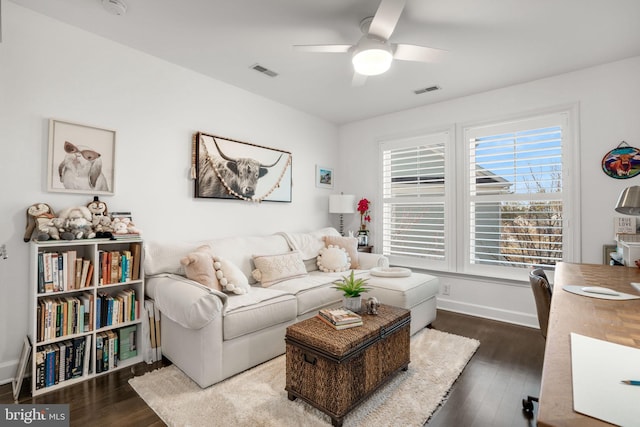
(336, 370)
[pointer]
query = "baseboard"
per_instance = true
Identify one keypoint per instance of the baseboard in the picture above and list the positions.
(508, 316)
(8, 371)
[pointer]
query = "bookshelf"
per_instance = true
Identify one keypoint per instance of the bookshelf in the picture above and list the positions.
(87, 299)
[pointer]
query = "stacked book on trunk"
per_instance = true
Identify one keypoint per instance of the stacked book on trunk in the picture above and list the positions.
(340, 318)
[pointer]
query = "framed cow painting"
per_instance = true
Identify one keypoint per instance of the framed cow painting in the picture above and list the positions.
(230, 169)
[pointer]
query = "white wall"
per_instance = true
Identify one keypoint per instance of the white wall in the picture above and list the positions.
(51, 70)
(609, 113)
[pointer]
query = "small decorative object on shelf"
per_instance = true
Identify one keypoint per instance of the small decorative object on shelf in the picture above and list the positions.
(363, 238)
(363, 208)
(352, 288)
(363, 233)
(372, 305)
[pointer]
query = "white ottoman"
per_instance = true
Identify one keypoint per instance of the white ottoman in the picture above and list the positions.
(416, 292)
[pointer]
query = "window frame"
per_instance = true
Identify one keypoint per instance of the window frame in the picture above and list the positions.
(435, 135)
(570, 188)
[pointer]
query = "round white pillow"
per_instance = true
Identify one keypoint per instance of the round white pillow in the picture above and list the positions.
(333, 259)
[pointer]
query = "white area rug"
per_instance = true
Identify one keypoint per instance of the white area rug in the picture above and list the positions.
(257, 397)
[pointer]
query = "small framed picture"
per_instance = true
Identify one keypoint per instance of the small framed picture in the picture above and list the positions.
(81, 159)
(22, 368)
(324, 177)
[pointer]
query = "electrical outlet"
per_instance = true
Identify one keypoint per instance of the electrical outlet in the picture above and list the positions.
(446, 289)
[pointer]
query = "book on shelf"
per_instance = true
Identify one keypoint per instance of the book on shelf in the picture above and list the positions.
(128, 337)
(340, 316)
(136, 250)
(112, 349)
(40, 356)
(70, 264)
(54, 272)
(99, 349)
(121, 215)
(342, 326)
(86, 356)
(127, 236)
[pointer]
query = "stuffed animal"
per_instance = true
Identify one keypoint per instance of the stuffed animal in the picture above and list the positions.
(77, 223)
(40, 224)
(100, 219)
(98, 210)
(124, 226)
(104, 229)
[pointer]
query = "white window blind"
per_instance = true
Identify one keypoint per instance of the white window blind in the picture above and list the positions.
(414, 195)
(515, 193)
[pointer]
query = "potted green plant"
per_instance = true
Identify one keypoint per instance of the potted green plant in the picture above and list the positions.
(352, 289)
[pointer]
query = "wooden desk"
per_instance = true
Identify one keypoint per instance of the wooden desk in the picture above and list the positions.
(615, 321)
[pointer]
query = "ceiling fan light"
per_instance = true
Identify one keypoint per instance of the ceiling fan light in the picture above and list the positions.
(371, 62)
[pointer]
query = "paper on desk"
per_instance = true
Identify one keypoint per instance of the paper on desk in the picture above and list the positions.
(598, 367)
(574, 289)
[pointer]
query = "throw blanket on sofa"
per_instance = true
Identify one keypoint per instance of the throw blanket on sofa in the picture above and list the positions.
(308, 244)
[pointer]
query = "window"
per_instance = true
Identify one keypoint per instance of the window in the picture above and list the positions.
(414, 199)
(515, 193)
(506, 208)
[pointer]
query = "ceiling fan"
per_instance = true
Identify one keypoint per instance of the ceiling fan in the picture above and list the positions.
(373, 53)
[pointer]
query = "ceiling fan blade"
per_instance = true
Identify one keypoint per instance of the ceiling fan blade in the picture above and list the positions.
(410, 52)
(386, 18)
(324, 48)
(358, 79)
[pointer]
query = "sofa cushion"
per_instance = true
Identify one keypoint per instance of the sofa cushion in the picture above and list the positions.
(198, 266)
(271, 269)
(314, 291)
(230, 277)
(333, 258)
(259, 309)
(350, 244)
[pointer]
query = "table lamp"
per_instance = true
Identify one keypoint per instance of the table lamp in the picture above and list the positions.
(629, 201)
(342, 204)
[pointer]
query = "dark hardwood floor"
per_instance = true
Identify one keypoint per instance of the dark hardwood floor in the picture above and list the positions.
(506, 367)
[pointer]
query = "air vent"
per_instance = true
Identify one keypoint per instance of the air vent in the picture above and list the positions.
(426, 89)
(264, 70)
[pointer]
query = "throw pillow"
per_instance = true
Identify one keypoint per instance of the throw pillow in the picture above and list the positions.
(231, 278)
(333, 259)
(198, 266)
(350, 244)
(272, 269)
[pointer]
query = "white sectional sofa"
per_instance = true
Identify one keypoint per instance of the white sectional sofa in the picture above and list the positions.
(211, 335)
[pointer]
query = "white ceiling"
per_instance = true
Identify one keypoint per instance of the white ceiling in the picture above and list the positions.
(490, 44)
